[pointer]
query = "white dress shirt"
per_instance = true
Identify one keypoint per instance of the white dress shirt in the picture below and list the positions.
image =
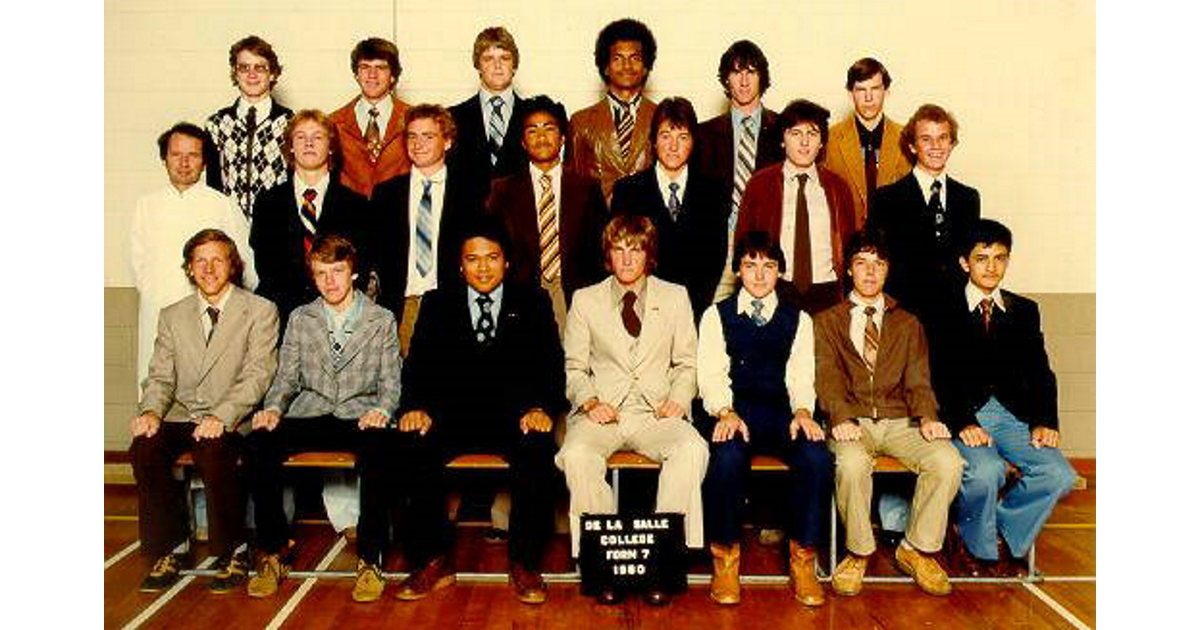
(712, 357)
(506, 109)
(665, 181)
(362, 114)
(437, 193)
(925, 180)
(298, 188)
(261, 109)
(820, 241)
(206, 322)
(535, 176)
(975, 295)
(858, 319)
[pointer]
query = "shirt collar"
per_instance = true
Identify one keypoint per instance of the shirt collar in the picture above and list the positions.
(665, 181)
(362, 109)
(485, 98)
(745, 303)
(871, 137)
(619, 290)
(554, 173)
(975, 295)
(738, 115)
(221, 301)
(861, 303)
(261, 108)
(616, 103)
(497, 295)
(299, 186)
(925, 180)
(790, 171)
(352, 313)
(438, 177)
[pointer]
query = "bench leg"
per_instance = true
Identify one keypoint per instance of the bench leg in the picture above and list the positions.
(616, 486)
(832, 536)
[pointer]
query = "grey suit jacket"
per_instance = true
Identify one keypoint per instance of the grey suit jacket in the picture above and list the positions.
(603, 362)
(367, 377)
(225, 378)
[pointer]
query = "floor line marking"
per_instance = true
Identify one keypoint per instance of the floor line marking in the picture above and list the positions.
(1057, 607)
(121, 554)
(301, 592)
(167, 596)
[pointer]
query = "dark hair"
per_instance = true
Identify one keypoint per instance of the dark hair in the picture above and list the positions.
(319, 117)
(499, 37)
(373, 48)
(624, 30)
(544, 104)
(932, 113)
(985, 232)
(756, 244)
(260, 47)
(485, 226)
(437, 114)
(868, 241)
(236, 266)
(805, 111)
(864, 69)
(740, 55)
(331, 248)
(185, 129)
(636, 228)
(677, 112)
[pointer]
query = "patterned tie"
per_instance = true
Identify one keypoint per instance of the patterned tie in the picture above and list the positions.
(940, 226)
(496, 128)
(986, 306)
(625, 130)
(757, 316)
(424, 231)
(548, 230)
(633, 325)
(802, 269)
(213, 314)
(870, 339)
(485, 328)
(374, 142)
(742, 167)
(247, 186)
(673, 202)
(308, 216)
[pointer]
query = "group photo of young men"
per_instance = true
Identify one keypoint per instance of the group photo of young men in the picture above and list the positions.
(411, 282)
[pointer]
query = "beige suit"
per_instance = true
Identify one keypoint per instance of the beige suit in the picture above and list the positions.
(843, 155)
(634, 375)
(227, 377)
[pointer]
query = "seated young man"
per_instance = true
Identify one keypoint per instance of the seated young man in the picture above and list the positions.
(873, 381)
(337, 388)
(485, 371)
(755, 369)
(630, 349)
(999, 398)
(213, 360)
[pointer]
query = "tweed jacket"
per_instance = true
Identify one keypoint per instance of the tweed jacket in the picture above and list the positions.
(602, 361)
(227, 376)
(357, 171)
(900, 387)
(844, 156)
(310, 383)
(592, 146)
(240, 173)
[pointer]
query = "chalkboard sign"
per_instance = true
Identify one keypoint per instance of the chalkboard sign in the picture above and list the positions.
(632, 553)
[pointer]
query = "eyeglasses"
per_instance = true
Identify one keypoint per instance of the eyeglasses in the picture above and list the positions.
(259, 68)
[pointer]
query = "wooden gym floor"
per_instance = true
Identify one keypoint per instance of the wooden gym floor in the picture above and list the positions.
(1065, 550)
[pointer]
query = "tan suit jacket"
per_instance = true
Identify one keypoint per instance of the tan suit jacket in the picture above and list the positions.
(358, 172)
(843, 156)
(227, 377)
(592, 148)
(602, 361)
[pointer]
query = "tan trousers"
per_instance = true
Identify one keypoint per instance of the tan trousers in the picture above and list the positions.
(672, 441)
(729, 283)
(939, 472)
(408, 322)
(558, 299)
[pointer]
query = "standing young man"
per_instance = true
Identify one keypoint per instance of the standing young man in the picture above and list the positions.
(489, 122)
(371, 124)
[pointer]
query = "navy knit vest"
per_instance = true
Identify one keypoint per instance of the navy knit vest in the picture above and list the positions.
(758, 358)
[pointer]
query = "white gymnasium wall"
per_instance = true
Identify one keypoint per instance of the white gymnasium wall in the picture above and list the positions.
(1018, 75)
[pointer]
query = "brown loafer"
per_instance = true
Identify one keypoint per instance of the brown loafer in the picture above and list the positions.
(726, 587)
(529, 585)
(439, 573)
(848, 576)
(923, 568)
(803, 571)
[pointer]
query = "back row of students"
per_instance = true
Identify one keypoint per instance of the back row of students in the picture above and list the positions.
(688, 194)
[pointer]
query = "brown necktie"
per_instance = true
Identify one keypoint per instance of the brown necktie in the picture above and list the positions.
(801, 251)
(870, 339)
(986, 307)
(629, 317)
(213, 314)
(374, 143)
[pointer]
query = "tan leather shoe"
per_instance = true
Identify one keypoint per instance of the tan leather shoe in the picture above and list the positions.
(726, 587)
(369, 584)
(924, 569)
(803, 570)
(271, 571)
(848, 576)
(529, 585)
(439, 573)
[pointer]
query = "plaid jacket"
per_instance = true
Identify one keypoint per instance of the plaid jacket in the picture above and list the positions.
(310, 383)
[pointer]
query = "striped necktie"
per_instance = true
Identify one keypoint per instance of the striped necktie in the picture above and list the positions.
(870, 339)
(496, 128)
(742, 167)
(548, 230)
(625, 130)
(308, 216)
(425, 231)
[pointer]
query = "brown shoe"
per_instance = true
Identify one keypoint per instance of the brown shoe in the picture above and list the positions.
(439, 573)
(803, 570)
(271, 571)
(848, 576)
(368, 586)
(529, 585)
(726, 587)
(924, 569)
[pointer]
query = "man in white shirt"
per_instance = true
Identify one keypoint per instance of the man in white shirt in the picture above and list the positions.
(165, 219)
(755, 370)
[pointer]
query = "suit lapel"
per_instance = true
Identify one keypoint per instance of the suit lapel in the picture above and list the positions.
(365, 329)
(231, 319)
(891, 152)
(851, 151)
(653, 321)
(393, 127)
(641, 134)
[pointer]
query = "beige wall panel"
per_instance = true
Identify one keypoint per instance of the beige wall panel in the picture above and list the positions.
(1078, 433)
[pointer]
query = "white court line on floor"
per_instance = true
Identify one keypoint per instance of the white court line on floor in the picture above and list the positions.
(1057, 607)
(167, 596)
(122, 553)
(301, 592)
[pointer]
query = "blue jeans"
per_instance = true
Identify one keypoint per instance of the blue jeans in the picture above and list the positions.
(1045, 477)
